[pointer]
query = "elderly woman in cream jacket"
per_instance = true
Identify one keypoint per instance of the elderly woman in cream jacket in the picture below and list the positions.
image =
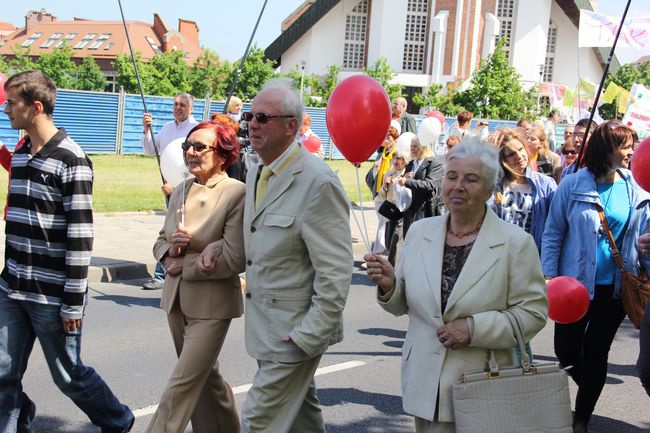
(456, 275)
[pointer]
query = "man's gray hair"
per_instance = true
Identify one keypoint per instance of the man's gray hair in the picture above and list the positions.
(485, 153)
(291, 104)
(187, 96)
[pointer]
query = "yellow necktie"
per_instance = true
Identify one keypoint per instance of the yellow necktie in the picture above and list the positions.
(262, 184)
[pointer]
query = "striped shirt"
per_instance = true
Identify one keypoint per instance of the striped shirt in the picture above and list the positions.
(49, 230)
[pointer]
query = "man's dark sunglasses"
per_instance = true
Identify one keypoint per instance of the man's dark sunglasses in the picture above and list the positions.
(569, 152)
(198, 147)
(260, 117)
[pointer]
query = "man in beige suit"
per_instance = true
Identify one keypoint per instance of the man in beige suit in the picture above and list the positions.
(298, 266)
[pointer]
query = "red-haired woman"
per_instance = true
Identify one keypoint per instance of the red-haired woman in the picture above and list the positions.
(201, 246)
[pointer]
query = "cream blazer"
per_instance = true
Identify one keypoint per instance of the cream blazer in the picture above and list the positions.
(298, 261)
(213, 212)
(502, 272)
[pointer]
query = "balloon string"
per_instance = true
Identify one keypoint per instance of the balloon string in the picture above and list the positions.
(366, 239)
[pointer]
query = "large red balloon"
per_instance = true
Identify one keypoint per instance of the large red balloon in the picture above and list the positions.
(358, 117)
(641, 164)
(3, 95)
(438, 115)
(568, 299)
(312, 143)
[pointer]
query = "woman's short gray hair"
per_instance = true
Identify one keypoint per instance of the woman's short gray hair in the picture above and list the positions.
(291, 104)
(483, 152)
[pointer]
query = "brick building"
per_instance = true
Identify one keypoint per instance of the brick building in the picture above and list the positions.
(103, 40)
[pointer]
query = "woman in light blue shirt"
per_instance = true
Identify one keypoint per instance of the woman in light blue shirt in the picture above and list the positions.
(574, 244)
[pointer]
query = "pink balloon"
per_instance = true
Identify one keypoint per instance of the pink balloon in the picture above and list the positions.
(358, 116)
(312, 143)
(641, 164)
(438, 115)
(3, 95)
(568, 299)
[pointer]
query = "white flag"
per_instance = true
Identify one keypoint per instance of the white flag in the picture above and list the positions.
(597, 30)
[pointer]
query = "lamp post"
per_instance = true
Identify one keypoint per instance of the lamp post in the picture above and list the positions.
(302, 78)
(539, 87)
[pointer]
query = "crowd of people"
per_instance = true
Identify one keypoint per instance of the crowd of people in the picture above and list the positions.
(463, 238)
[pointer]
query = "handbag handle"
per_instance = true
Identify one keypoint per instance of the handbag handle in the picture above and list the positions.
(515, 323)
(616, 254)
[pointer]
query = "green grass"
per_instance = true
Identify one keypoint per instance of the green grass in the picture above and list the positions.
(132, 183)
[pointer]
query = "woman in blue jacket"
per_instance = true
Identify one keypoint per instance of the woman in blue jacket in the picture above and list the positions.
(575, 245)
(522, 196)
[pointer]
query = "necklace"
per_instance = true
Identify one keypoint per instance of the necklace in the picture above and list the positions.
(462, 235)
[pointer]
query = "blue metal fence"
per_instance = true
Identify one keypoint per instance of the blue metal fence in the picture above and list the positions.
(112, 123)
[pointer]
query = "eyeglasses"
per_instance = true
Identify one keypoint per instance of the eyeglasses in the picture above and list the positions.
(198, 147)
(261, 117)
(568, 152)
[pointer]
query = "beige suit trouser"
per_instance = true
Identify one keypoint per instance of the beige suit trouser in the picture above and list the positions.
(196, 389)
(283, 399)
(426, 426)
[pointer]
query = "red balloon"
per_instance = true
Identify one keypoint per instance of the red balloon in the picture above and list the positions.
(568, 299)
(438, 115)
(358, 116)
(3, 95)
(312, 143)
(641, 164)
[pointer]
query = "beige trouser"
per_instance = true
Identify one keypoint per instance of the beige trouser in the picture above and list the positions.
(195, 389)
(283, 399)
(426, 426)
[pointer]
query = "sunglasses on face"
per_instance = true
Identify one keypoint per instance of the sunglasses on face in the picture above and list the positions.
(569, 152)
(261, 117)
(198, 147)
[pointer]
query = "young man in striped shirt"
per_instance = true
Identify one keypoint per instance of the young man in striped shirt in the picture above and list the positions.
(49, 236)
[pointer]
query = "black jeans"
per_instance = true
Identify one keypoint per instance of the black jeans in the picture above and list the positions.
(585, 345)
(643, 364)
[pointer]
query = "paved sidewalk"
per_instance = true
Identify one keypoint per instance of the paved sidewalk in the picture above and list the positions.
(124, 240)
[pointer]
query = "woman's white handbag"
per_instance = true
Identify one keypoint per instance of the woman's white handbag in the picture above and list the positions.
(403, 197)
(526, 398)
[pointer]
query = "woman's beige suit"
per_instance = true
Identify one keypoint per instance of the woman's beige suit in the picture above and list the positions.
(200, 306)
(502, 272)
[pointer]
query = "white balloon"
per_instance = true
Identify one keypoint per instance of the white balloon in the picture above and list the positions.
(172, 163)
(404, 142)
(429, 131)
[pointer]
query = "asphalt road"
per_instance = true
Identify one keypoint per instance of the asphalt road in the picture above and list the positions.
(127, 341)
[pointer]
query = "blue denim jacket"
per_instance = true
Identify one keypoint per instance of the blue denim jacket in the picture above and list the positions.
(543, 188)
(572, 230)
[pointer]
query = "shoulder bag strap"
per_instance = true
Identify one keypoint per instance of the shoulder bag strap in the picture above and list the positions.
(616, 254)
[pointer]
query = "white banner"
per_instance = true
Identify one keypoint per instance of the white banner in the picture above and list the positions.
(597, 30)
(637, 115)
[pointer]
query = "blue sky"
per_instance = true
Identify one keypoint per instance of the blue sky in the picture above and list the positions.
(226, 25)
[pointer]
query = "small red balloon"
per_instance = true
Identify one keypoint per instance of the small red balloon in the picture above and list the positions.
(358, 116)
(641, 164)
(312, 143)
(438, 115)
(3, 95)
(568, 299)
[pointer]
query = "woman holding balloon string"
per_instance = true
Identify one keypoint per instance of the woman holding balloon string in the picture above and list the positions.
(575, 245)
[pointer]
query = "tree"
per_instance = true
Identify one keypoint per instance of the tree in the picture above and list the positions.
(59, 66)
(383, 72)
(22, 61)
(626, 76)
(495, 91)
(170, 74)
(208, 75)
(435, 99)
(89, 76)
(126, 76)
(256, 71)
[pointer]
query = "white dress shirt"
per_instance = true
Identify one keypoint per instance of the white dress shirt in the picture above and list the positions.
(168, 133)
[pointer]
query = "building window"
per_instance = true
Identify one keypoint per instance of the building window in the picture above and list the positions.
(153, 44)
(415, 36)
(356, 27)
(506, 16)
(31, 40)
(100, 41)
(66, 40)
(51, 40)
(85, 41)
(549, 61)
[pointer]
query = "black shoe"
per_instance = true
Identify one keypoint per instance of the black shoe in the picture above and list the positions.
(153, 284)
(27, 414)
